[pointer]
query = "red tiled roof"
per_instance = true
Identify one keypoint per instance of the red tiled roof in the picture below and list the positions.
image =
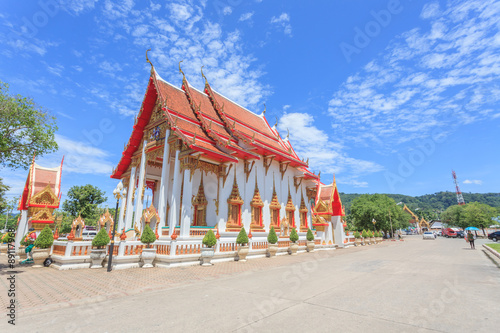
(211, 126)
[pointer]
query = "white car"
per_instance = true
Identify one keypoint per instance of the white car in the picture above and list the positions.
(428, 235)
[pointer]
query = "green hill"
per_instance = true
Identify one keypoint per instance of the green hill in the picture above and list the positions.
(430, 205)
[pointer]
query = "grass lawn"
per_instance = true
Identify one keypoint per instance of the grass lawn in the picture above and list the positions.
(495, 247)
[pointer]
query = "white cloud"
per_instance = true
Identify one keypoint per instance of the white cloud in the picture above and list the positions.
(81, 157)
(324, 154)
(185, 34)
(246, 16)
(283, 21)
(430, 10)
(427, 79)
(227, 10)
(77, 7)
(473, 181)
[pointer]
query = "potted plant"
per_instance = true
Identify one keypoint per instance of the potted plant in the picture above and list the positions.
(148, 254)
(372, 237)
(272, 246)
(357, 237)
(207, 252)
(242, 241)
(98, 253)
(366, 239)
(294, 237)
(42, 244)
(310, 241)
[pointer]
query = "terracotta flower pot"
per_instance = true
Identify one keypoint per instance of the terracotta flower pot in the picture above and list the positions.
(242, 253)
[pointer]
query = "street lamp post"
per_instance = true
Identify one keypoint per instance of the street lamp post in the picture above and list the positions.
(118, 194)
(373, 221)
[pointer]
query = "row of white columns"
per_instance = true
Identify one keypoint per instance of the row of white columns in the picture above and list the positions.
(173, 199)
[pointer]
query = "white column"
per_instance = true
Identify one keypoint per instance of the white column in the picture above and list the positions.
(130, 194)
(142, 174)
(175, 195)
(165, 174)
(22, 229)
(121, 217)
(186, 205)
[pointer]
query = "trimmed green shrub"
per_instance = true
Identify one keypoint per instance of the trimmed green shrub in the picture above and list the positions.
(309, 236)
(242, 238)
(357, 235)
(8, 237)
(25, 241)
(148, 236)
(364, 234)
(209, 240)
(101, 239)
(45, 239)
(272, 238)
(294, 236)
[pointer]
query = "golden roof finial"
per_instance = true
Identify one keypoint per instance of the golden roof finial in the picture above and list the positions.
(276, 125)
(287, 133)
(147, 59)
(180, 70)
(203, 75)
(264, 112)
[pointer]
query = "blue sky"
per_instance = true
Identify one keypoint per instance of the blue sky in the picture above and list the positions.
(388, 95)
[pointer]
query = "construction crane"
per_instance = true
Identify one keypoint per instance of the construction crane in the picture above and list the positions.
(460, 197)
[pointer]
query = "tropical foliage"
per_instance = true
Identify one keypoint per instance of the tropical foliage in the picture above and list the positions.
(25, 128)
(242, 238)
(378, 207)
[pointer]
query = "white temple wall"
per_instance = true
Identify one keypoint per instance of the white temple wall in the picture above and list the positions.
(338, 231)
(210, 184)
(266, 193)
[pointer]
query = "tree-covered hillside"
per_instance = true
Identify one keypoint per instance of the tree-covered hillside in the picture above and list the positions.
(430, 206)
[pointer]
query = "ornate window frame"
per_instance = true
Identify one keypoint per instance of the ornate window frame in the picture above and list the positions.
(200, 206)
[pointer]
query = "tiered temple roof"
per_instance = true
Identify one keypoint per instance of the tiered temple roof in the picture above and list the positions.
(209, 123)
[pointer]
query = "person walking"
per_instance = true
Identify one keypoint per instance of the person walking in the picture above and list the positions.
(470, 238)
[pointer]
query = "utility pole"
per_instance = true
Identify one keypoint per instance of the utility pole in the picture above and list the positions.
(392, 231)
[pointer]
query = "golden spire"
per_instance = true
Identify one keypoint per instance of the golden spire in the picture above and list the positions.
(264, 112)
(147, 59)
(180, 70)
(276, 125)
(203, 75)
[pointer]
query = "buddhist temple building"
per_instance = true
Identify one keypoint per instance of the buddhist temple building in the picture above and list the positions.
(41, 195)
(327, 214)
(211, 163)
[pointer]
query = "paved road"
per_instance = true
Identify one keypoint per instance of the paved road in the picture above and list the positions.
(411, 286)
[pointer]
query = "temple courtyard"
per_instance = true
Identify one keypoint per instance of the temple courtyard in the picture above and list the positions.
(408, 286)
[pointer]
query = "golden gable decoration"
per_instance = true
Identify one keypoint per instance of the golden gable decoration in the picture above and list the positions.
(148, 215)
(106, 220)
(45, 197)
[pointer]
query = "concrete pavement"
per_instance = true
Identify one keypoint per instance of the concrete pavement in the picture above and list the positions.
(411, 286)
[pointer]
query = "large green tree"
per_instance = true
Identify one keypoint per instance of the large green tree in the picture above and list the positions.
(453, 216)
(84, 200)
(479, 215)
(25, 128)
(3, 200)
(380, 207)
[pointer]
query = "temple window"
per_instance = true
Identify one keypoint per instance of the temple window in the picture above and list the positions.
(256, 205)
(234, 208)
(303, 215)
(290, 210)
(200, 206)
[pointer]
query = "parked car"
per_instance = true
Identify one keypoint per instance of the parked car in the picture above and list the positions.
(460, 234)
(449, 232)
(428, 235)
(494, 236)
(440, 233)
